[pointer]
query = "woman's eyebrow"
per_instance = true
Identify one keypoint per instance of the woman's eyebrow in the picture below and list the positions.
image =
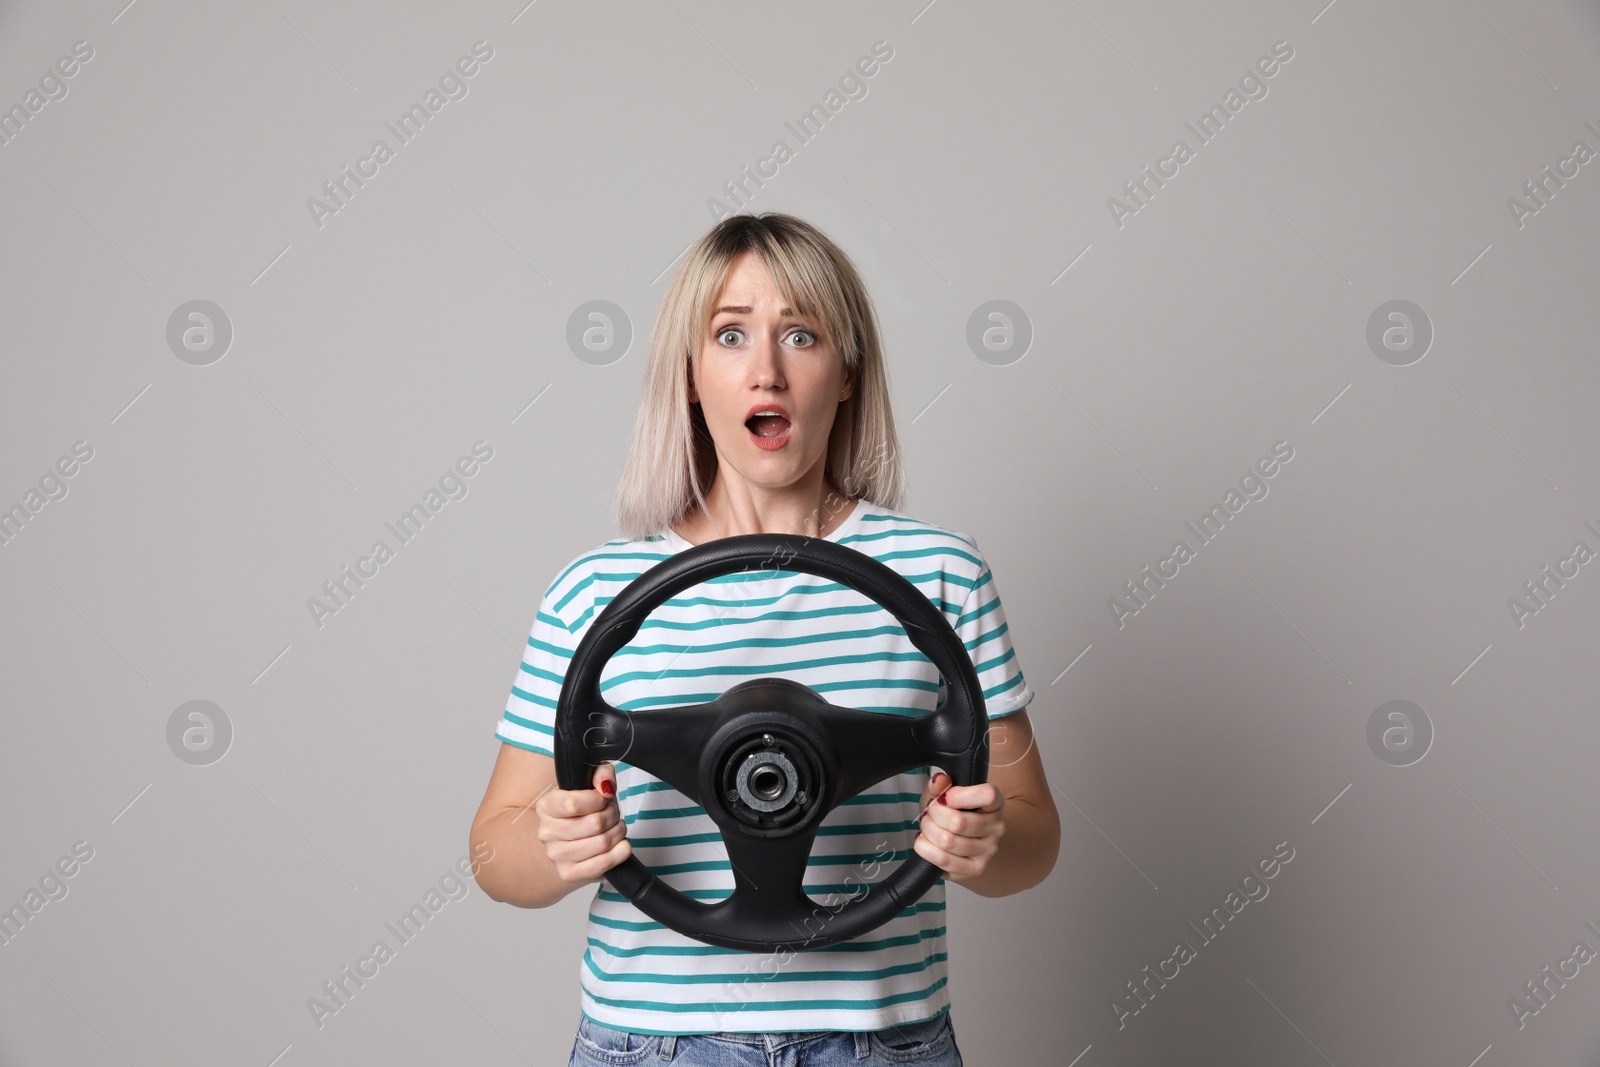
(744, 309)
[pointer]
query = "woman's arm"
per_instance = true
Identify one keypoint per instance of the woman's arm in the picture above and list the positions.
(519, 870)
(1030, 837)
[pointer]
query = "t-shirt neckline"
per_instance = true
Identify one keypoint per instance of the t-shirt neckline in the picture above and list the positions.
(677, 543)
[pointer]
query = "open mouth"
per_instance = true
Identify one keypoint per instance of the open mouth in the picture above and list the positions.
(767, 426)
(769, 431)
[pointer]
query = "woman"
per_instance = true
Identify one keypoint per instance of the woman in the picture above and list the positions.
(765, 383)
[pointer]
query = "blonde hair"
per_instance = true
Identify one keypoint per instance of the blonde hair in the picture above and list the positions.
(673, 460)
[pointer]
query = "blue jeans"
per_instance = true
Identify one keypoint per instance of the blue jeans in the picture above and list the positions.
(931, 1043)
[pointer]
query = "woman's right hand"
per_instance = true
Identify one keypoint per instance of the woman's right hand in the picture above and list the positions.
(582, 829)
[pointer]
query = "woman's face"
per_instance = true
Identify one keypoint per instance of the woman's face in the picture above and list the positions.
(757, 355)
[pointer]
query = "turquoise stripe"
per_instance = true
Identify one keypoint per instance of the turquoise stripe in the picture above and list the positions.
(989, 664)
(718, 950)
(578, 588)
(764, 668)
(532, 698)
(860, 798)
(592, 556)
(994, 691)
(763, 977)
(734, 620)
(551, 621)
(730, 620)
(530, 748)
(679, 839)
(778, 642)
(626, 924)
(626, 577)
(663, 813)
(691, 810)
(914, 528)
(990, 636)
(822, 831)
(673, 700)
(853, 1004)
(541, 674)
(973, 616)
(963, 538)
(914, 656)
(602, 602)
(922, 553)
(694, 811)
(762, 642)
(908, 553)
(770, 573)
(845, 889)
(685, 812)
(530, 724)
(830, 587)
(545, 646)
(883, 798)
(816, 861)
(643, 787)
(680, 868)
(631, 791)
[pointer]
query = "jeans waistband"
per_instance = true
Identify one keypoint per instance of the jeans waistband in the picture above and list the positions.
(669, 1042)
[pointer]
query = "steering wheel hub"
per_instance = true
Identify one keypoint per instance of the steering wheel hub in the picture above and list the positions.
(768, 788)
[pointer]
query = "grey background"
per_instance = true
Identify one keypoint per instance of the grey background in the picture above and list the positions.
(1228, 314)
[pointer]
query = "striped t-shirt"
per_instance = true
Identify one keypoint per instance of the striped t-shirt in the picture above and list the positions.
(639, 975)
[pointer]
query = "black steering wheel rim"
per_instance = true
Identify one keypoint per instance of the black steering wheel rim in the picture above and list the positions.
(784, 729)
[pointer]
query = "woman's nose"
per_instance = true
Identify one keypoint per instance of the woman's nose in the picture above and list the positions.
(767, 366)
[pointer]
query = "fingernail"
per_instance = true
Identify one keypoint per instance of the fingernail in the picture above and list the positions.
(943, 801)
(607, 788)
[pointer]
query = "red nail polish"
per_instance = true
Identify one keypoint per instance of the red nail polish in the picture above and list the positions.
(607, 788)
(943, 801)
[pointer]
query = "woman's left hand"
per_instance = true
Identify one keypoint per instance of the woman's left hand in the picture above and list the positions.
(960, 831)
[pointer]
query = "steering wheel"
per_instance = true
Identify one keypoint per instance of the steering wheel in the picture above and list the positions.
(770, 758)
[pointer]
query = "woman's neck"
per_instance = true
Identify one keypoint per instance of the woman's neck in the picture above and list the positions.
(811, 515)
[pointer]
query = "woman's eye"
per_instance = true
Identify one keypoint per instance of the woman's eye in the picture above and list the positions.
(734, 331)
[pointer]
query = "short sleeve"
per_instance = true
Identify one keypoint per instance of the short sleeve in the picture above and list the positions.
(981, 625)
(530, 717)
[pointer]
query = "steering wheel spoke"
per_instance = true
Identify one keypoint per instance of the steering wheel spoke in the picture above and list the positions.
(872, 746)
(664, 742)
(768, 874)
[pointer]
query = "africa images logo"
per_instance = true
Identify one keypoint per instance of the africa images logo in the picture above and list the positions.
(1252, 86)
